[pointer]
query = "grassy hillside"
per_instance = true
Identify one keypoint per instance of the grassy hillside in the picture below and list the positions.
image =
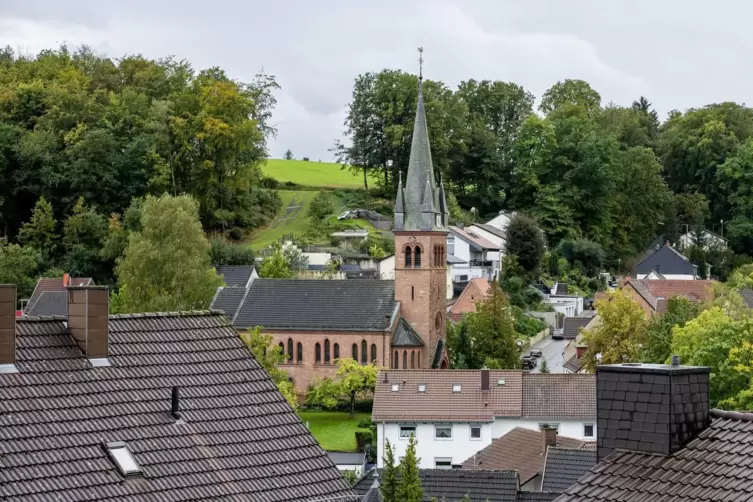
(292, 218)
(313, 174)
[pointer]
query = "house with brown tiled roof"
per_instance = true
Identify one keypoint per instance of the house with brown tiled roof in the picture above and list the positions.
(457, 413)
(525, 451)
(475, 292)
(146, 407)
(652, 295)
(659, 441)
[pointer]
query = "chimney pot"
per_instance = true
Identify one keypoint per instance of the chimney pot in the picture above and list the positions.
(66, 279)
(7, 323)
(386, 379)
(675, 360)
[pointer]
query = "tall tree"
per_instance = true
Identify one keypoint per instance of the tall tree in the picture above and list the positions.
(166, 266)
(620, 336)
(410, 489)
(388, 483)
(39, 231)
(269, 355)
(525, 240)
(570, 93)
(659, 330)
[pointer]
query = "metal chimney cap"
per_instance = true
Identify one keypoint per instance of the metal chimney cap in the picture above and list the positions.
(675, 360)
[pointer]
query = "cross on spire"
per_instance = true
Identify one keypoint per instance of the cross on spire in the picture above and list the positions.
(420, 63)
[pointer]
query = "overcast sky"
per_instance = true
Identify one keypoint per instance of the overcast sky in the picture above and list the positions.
(678, 53)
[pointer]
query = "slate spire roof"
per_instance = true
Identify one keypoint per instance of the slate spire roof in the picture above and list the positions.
(421, 193)
(237, 438)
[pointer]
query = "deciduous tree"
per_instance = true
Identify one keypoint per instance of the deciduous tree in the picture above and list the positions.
(269, 356)
(351, 381)
(39, 231)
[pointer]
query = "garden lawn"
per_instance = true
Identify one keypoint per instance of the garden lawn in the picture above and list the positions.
(313, 174)
(334, 430)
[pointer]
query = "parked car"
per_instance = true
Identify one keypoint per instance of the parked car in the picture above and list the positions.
(528, 362)
(535, 353)
(557, 335)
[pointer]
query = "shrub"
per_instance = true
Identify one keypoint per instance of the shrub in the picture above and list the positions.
(236, 233)
(306, 159)
(363, 438)
(226, 253)
(269, 183)
(364, 423)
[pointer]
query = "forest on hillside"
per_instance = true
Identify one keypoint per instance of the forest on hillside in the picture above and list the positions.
(614, 175)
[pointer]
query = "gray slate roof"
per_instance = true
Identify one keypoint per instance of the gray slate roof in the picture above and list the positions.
(236, 275)
(312, 304)
(717, 465)
(452, 259)
(228, 300)
(454, 484)
(565, 466)
(342, 458)
(669, 262)
(537, 496)
(572, 325)
(50, 303)
(406, 336)
(240, 439)
(492, 230)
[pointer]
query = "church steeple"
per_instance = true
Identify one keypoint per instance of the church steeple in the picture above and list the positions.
(399, 205)
(421, 190)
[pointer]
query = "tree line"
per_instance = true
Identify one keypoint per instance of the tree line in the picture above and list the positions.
(615, 175)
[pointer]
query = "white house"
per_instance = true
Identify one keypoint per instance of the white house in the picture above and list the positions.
(710, 240)
(501, 220)
(456, 413)
(490, 233)
(478, 257)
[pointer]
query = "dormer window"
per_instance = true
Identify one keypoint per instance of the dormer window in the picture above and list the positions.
(123, 458)
(457, 387)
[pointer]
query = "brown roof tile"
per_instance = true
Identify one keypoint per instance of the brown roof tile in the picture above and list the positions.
(657, 292)
(439, 402)
(716, 465)
(561, 395)
(519, 450)
(238, 438)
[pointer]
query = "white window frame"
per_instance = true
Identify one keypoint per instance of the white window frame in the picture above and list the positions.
(442, 426)
(593, 429)
(480, 433)
(400, 432)
(447, 460)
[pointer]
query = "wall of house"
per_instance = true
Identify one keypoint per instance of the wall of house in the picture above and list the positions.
(318, 258)
(386, 268)
(680, 277)
(308, 369)
(461, 447)
(568, 306)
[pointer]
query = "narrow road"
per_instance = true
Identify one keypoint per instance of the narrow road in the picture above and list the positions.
(551, 350)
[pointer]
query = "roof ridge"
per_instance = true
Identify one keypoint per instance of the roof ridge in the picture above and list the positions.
(41, 318)
(743, 416)
(182, 313)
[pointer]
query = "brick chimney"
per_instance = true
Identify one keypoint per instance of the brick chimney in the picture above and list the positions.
(66, 279)
(652, 408)
(485, 380)
(88, 312)
(7, 323)
(548, 438)
(580, 351)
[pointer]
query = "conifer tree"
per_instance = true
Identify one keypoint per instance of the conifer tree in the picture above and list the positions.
(410, 489)
(388, 482)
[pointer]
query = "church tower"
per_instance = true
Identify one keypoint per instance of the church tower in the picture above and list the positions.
(421, 219)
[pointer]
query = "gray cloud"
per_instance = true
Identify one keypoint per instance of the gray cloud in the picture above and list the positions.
(678, 53)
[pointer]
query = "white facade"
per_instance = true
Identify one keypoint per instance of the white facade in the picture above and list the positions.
(466, 439)
(710, 241)
(569, 306)
(653, 276)
(386, 267)
(318, 258)
(475, 266)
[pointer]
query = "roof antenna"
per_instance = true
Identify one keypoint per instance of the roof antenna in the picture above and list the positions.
(420, 63)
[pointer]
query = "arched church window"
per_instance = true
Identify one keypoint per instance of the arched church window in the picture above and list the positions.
(326, 352)
(299, 349)
(417, 258)
(282, 348)
(412, 359)
(405, 359)
(355, 352)
(408, 257)
(364, 352)
(373, 353)
(318, 353)
(336, 348)
(395, 361)
(290, 350)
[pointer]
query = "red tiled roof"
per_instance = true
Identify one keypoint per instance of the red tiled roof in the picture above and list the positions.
(458, 308)
(439, 402)
(656, 292)
(520, 450)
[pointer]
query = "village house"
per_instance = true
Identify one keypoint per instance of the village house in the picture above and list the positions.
(476, 291)
(652, 295)
(455, 414)
(658, 440)
(396, 323)
(160, 406)
(663, 261)
(480, 258)
(50, 295)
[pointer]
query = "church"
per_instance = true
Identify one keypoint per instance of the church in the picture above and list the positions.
(396, 323)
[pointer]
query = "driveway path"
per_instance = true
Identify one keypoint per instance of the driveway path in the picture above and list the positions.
(551, 350)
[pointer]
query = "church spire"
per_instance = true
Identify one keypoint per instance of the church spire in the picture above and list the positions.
(420, 180)
(399, 204)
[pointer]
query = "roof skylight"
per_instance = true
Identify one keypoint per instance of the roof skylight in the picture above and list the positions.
(123, 458)
(422, 387)
(456, 387)
(395, 387)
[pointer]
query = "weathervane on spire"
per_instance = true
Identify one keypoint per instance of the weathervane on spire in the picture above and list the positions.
(420, 63)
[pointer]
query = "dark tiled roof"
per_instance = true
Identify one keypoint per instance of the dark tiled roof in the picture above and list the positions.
(453, 484)
(341, 458)
(439, 402)
(492, 230)
(571, 328)
(238, 439)
(50, 303)
(716, 465)
(574, 365)
(236, 275)
(559, 396)
(53, 284)
(406, 336)
(565, 466)
(452, 259)
(518, 450)
(228, 300)
(364, 305)
(537, 496)
(562, 288)
(668, 259)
